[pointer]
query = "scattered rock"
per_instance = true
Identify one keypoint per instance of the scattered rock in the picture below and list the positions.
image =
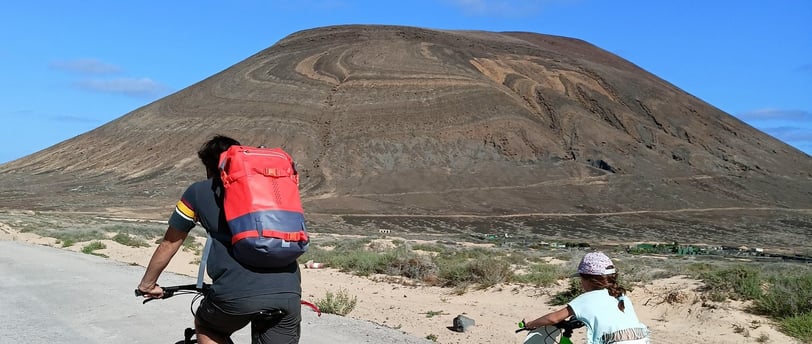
(462, 323)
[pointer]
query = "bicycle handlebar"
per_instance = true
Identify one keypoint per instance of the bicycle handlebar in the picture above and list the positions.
(170, 291)
(193, 289)
(565, 325)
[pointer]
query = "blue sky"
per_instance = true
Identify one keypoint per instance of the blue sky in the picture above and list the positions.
(67, 67)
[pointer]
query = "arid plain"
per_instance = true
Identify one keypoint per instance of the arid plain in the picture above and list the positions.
(675, 308)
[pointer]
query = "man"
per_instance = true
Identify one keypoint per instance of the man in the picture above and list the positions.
(237, 292)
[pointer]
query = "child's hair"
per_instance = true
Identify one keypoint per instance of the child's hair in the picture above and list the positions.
(608, 282)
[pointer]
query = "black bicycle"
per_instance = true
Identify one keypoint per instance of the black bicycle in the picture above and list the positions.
(259, 321)
(550, 334)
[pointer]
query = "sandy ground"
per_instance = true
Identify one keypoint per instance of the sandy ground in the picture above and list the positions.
(672, 308)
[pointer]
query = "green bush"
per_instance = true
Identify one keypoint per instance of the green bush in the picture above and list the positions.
(739, 282)
(340, 303)
(517, 258)
(93, 246)
(72, 235)
(786, 296)
(331, 243)
(480, 252)
(541, 275)
(458, 270)
(362, 263)
(799, 326)
(490, 271)
(138, 230)
(696, 269)
(351, 245)
(403, 262)
(452, 271)
(429, 247)
(127, 240)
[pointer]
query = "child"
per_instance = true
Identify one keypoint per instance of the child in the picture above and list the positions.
(603, 307)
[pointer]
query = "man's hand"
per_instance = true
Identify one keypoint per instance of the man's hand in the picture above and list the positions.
(151, 292)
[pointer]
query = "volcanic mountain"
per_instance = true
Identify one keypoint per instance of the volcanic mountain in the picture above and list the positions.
(449, 131)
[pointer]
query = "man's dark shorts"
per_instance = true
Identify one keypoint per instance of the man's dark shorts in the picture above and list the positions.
(283, 330)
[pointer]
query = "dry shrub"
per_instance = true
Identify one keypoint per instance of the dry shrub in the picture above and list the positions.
(676, 296)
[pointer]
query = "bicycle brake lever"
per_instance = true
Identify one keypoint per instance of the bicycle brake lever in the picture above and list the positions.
(166, 295)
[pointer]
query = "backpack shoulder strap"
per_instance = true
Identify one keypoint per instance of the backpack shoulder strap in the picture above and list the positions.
(205, 257)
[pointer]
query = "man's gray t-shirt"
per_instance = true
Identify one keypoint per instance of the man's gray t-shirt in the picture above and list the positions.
(231, 281)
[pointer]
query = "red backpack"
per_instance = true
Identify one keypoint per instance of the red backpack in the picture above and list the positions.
(262, 206)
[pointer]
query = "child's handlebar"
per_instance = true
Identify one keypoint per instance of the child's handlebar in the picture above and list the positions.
(565, 325)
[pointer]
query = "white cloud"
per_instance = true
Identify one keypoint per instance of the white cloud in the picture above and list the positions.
(85, 66)
(127, 86)
(140, 87)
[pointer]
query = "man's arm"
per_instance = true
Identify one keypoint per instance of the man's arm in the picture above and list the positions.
(173, 239)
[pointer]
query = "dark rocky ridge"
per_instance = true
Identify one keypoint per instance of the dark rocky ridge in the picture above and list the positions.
(476, 130)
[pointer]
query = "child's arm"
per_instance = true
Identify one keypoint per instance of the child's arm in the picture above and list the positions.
(550, 318)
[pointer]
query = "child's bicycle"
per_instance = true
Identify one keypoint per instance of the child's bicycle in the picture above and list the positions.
(259, 321)
(550, 334)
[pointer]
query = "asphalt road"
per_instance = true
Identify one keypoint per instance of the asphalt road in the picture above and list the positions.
(49, 295)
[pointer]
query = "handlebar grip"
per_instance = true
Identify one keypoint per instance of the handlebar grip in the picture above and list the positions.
(140, 293)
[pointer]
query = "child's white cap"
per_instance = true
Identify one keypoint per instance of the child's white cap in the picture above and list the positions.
(596, 263)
